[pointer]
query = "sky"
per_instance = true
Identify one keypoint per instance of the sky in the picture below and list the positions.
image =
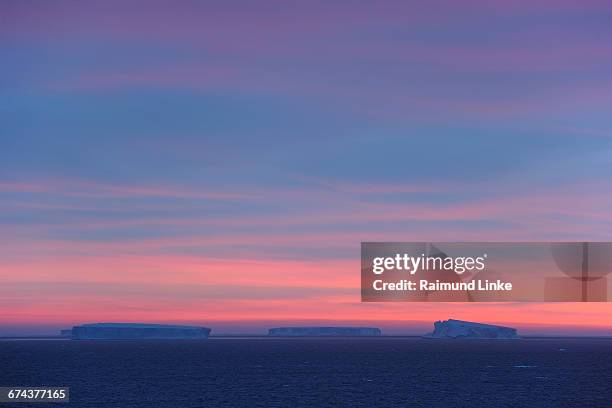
(219, 162)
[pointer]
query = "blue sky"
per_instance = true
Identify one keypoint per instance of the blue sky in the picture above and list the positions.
(222, 133)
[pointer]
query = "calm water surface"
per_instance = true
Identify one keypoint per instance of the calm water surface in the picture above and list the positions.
(260, 372)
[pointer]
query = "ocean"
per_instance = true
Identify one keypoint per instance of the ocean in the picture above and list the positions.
(315, 372)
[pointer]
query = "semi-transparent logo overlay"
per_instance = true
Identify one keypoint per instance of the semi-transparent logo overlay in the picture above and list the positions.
(485, 271)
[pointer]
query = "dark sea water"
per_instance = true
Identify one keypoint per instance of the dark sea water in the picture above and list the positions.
(348, 372)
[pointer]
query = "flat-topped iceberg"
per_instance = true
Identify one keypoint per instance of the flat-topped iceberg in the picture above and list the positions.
(456, 329)
(124, 331)
(324, 331)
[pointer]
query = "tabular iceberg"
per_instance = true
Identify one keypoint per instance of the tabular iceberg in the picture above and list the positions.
(453, 329)
(124, 331)
(324, 331)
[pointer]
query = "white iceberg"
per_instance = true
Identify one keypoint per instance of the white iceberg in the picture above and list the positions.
(324, 331)
(124, 331)
(459, 329)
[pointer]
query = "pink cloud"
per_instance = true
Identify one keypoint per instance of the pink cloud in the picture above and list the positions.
(82, 188)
